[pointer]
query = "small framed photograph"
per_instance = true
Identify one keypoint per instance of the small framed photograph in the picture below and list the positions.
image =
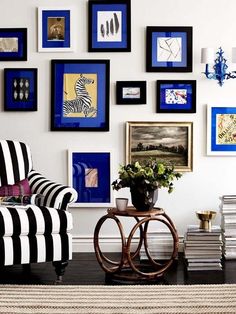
(55, 29)
(169, 142)
(130, 92)
(20, 89)
(13, 44)
(169, 49)
(80, 95)
(90, 175)
(221, 131)
(176, 96)
(109, 26)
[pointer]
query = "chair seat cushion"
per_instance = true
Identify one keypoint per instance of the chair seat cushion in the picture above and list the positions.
(33, 220)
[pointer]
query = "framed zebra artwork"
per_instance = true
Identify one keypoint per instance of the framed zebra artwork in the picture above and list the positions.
(109, 25)
(80, 95)
(131, 92)
(169, 49)
(20, 89)
(55, 29)
(13, 44)
(90, 175)
(176, 96)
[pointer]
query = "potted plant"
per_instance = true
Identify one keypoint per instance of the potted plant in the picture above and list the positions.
(145, 180)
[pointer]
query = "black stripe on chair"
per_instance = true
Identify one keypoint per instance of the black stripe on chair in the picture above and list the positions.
(16, 250)
(15, 221)
(63, 221)
(33, 249)
(49, 248)
(2, 250)
(55, 194)
(14, 159)
(25, 158)
(46, 196)
(2, 225)
(32, 222)
(3, 171)
(64, 247)
(48, 220)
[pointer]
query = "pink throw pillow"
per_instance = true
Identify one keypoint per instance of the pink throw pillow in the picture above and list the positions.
(20, 188)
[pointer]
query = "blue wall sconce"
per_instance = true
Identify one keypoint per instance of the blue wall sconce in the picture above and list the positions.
(219, 64)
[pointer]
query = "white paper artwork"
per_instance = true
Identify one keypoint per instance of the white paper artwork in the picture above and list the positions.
(176, 96)
(8, 44)
(169, 49)
(109, 26)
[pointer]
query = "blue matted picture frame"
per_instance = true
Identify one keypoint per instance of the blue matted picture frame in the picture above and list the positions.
(20, 89)
(169, 49)
(131, 92)
(13, 44)
(55, 29)
(109, 26)
(80, 95)
(221, 130)
(176, 96)
(90, 175)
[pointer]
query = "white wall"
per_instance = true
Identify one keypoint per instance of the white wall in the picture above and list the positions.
(213, 24)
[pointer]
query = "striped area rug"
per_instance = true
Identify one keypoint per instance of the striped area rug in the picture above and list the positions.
(174, 299)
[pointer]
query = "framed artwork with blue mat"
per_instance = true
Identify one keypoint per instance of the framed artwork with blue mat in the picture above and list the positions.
(80, 95)
(90, 175)
(131, 92)
(169, 49)
(109, 26)
(221, 130)
(55, 29)
(13, 44)
(176, 96)
(20, 89)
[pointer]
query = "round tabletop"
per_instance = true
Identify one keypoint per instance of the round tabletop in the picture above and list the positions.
(133, 212)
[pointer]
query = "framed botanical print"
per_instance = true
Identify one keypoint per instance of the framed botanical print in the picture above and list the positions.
(130, 92)
(109, 25)
(176, 96)
(80, 95)
(221, 131)
(169, 49)
(55, 29)
(169, 142)
(13, 44)
(20, 89)
(90, 175)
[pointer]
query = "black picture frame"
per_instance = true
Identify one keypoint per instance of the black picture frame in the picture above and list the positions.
(20, 89)
(169, 48)
(72, 110)
(13, 45)
(131, 92)
(176, 96)
(114, 18)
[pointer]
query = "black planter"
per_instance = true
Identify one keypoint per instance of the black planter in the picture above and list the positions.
(143, 202)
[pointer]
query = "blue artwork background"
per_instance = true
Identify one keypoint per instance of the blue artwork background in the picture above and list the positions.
(100, 161)
(54, 43)
(164, 105)
(214, 146)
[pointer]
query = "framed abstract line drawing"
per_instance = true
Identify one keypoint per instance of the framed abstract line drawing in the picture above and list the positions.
(13, 44)
(130, 92)
(90, 175)
(221, 131)
(176, 96)
(55, 29)
(80, 95)
(169, 49)
(169, 142)
(20, 89)
(109, 25)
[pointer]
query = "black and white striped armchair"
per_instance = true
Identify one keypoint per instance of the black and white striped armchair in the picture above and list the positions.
(36, 232)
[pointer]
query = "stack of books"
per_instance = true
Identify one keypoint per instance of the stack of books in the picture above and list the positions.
(160, 245)
(228, 224)
(203, 248)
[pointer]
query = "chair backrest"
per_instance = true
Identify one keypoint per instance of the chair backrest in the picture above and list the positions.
(15, 162)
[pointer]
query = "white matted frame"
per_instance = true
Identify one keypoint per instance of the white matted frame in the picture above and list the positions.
(56, 29)
(90, 174)
(221, 131)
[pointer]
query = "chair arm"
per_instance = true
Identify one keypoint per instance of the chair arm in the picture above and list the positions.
(54, 195)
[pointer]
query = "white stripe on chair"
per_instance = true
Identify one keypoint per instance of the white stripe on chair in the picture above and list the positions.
(55, 220)
(25, 250)
(8, 162)
(41, 248)
(39, 219)
(57, 253)
(7, 221)
(24, 221)
(8, 250)
(70, 245)
(20, 160)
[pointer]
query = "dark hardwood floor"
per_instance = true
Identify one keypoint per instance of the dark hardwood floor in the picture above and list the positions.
(85, 270)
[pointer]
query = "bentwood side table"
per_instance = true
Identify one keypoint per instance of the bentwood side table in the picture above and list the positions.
(129, 266)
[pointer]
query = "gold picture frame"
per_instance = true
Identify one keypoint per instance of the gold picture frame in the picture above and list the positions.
(171, 142)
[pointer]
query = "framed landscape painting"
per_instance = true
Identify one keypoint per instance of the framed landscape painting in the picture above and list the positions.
(13, 44)
(169, 142)
(109, 26)
(80, 95)
(130, 92)
(90, 175)
(20, 89)
(169, 49)
(221, 131)
(55, 29)
(176, 96)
